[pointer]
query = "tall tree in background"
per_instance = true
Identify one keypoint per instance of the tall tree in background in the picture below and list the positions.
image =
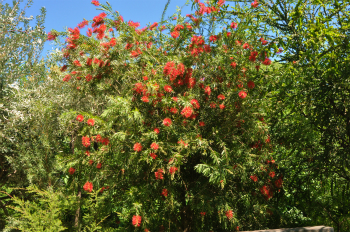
(310, 118)
(21, 43)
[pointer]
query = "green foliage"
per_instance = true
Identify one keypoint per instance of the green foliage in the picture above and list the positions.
(42, 214)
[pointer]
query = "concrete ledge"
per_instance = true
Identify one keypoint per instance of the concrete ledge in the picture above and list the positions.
(299, 229)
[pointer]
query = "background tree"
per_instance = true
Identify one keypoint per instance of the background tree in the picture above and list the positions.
(309, 117)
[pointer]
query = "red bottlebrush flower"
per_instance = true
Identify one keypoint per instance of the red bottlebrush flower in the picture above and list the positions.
(255, 4)
(213, 38)
(91, 162)
(91, 122)
(134, 24)
(86, 141)
(105, 141)
(167, 122)
(99, 165)
(207, 90)
(212, 105)
(221, 97)
(187, 111)
(77, 63)
(71, 171)
(229, 214)
(50, 36)
(172, 170)
(203, 214)
(242, 94)
(64, 68)
(254, 178)
(137, 147)
(175, 99)
(145, 99)
(88, 186)
(88, 61)
(267, 61)
(102, 189)
(67, 78)
(279, 182)
(88, 77)
(145, 78)
(154, 25)
(94, 2)
(234, 25)
(201, 123)
(266, 192)
(80, 118)
(153, 155)
(168, 88)
(195, 104)
(136, 220)
(173, 110)
(175, 34)
(251, 85)
(154, 146)
(98, 138)
(159, 174)
(165, 192)
(233, 64)
(245, 46)
(183, 143)
(272, 174)
(87, 153)
(222, 106)
(156, 130)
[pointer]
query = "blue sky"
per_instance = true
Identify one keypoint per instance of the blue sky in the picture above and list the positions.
(68, 13)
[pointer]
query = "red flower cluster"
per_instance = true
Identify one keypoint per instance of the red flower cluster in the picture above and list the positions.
(154, 146)
(51, 36)
(153, 155)
(167, 122)
(203, 214)
(98, 20)
(168, 88)
(187, 111)
(234, 25)
(99, 165)
(80, 118)
(195, 104)
(137, 147)
(159, 174)
(156, 130)
(242, 94)
(83, 24)
(251, 84)
(136, 220)
(85, 141)
(253, 56)
(221, 97)
(154, 25)
(255, 4)
(172, 71)
(91, 122)
(254, 178)
(279, 182)
(196, 46)
(88, 186)
(229, 214)
(96, 3)
(134, 24)
(71, 171)
(173, 110)
(266, 192)
(172, 170)
(165, 192)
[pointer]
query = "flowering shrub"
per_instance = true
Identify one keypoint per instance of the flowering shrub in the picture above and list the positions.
(183, 106)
